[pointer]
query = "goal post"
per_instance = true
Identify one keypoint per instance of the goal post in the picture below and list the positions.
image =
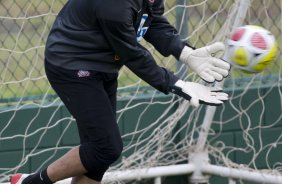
(163, 135)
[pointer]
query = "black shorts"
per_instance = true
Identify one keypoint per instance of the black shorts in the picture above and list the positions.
(90, 96)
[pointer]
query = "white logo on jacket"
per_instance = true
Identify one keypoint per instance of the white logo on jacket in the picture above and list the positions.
(83, 73)
(142, 30)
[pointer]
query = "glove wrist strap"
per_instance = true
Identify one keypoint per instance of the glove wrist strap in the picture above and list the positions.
(186, 51)
(180, 83)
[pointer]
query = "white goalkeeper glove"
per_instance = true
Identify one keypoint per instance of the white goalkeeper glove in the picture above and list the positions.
(204, 63)
(199, 94)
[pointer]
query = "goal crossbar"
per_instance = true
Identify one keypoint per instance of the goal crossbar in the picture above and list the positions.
(243, 174)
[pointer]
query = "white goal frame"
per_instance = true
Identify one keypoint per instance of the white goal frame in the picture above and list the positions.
(185, 169)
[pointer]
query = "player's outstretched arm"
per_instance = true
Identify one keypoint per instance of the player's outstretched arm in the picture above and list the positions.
(199, 94)
(205, 63)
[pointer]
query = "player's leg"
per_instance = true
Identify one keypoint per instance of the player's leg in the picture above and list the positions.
(110, 87)
(66, 166)
(90, 103)
(102, 137)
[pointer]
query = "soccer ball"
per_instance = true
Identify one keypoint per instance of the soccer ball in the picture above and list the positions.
(251, 48)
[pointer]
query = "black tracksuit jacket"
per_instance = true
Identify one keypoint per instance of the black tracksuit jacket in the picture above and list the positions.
(104, 35)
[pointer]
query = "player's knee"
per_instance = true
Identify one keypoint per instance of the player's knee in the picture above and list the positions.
(114, 150)
(100, 154)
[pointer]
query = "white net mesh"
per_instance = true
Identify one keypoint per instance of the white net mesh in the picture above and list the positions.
(157, 129)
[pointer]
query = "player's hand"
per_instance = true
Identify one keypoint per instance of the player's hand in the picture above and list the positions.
(204, 62)
(199, 94)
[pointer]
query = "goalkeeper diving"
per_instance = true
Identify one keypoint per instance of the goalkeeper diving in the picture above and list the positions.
(88, 44)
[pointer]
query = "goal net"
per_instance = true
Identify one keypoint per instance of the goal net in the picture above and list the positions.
(245, 134)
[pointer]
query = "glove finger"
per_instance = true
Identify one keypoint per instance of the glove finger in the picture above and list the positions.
(220, 96)
(216, 47)
(220, 63)
(217, 76)
(207, 77)
(221, 71)
(211, 101)
(215, 89)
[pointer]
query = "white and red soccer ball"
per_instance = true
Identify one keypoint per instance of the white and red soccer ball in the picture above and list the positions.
(251, 48)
